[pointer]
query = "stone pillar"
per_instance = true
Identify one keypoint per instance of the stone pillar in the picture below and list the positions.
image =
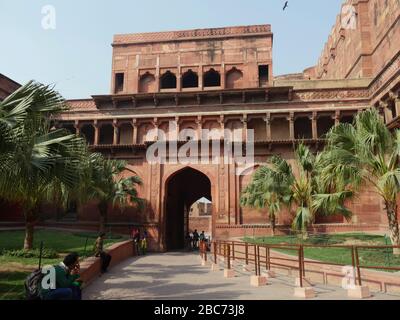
(336, 117)
(397, 104)
(244, 128)
(200, 75)
(199, 128)
(134, 131)
(268, 126)
(155, 124)
(291, 125)
(314, 125)
(385, 112)
(116, 133)
(177, 128)
(96, 133)
(77, 128)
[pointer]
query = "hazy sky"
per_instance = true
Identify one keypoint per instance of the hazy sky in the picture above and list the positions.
(76, 56)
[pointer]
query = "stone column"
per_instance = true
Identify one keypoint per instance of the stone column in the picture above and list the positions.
(244, 128)
(177, 128)
(291, 125)
(314, 125)
(397, 104)
(199, 128)
(200, 75)
(336, 117)
(268, 127)
(96, 133)
(77, 128)
(116, 133)
(385, 112)
(134, 126)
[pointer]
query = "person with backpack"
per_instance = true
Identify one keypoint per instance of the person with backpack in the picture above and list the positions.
(195, 239)
(99, 252)
(67, 282)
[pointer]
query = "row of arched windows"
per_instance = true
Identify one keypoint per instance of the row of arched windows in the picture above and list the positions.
(190, 79)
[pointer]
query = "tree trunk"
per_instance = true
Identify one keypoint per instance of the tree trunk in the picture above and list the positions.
(391, 210)
(31, 216)
(103, 206)
(273, 225)
(28, 242)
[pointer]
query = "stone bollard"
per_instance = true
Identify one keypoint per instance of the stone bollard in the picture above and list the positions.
(258, 281)
(214, 267)
(304, 292)
(358, 292)
(229, 273)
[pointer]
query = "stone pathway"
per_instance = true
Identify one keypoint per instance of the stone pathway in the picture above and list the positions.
(180, 276)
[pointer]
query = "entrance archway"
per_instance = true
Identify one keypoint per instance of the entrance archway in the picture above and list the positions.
(183, 189)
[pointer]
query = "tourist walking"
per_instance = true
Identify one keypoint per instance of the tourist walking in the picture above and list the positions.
(195, 239)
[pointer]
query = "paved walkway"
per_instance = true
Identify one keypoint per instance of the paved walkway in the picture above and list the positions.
(180, 276)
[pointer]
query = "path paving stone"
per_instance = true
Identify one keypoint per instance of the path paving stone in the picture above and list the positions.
(180, 276)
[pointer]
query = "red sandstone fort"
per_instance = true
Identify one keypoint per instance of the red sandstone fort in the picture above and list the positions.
(222, 78)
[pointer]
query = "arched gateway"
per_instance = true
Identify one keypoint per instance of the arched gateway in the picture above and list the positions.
(182, 189)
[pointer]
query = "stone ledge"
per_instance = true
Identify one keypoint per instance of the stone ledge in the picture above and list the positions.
(90, 267)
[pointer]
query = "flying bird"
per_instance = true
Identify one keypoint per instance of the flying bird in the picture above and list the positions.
(286, 5)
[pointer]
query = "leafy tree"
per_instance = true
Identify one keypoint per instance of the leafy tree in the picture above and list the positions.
(102, 181)
(363, 154)
(33, 155)
(276, 185)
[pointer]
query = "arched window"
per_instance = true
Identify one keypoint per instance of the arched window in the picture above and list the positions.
(147, 83)
(234, 78)
(190, 79)
(212, 78)
(168, 80)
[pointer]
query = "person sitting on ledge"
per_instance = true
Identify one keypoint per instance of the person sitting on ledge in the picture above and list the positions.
(99, 252)
(67, 282)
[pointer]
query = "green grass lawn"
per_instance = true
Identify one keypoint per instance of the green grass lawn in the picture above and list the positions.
(368, 257)
(13, 270)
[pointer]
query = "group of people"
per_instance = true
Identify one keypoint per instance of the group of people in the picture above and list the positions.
(194, 239)
(68, 283)
(139, 241)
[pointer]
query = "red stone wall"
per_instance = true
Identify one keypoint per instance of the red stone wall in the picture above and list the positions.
(366, 50)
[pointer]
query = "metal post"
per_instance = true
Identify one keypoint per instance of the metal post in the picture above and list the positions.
(300, 267)
(233, 250)
(229, 256)
(255, 260)
(302, 261)
(40, 254)
(358, 266)
(258, 261)
(247, 253)
(267, 260)
(215, 252)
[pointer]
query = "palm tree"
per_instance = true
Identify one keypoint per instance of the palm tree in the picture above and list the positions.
(266, 191)
(33, 155)
(103, 183)
(363, 154)
(277, 185)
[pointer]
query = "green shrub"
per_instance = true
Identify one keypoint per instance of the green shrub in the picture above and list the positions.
(46, 253)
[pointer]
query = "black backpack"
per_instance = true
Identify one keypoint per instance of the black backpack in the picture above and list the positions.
(32, 285)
